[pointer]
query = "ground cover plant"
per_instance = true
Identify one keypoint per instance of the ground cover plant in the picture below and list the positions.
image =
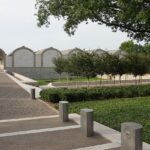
(70, 80)
(43, 82)
(114, 112)
(86, 94)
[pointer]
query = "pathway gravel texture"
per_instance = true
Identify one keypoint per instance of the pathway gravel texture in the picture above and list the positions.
(15, 102)
(56, 140)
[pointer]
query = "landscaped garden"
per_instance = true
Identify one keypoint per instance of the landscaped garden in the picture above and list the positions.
(112, 105)
(69, 80)
(116, 111)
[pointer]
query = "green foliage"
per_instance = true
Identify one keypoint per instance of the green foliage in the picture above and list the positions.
(131, 16)
(44, 82)
(131, 58)
(116, 111)
(85, 94)
(138, 64)
(130, 47)
(50, 95)
(59, 65)
(86, 64)
(146, 48)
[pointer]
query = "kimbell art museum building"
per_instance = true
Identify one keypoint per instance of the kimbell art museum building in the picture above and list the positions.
(36, 65)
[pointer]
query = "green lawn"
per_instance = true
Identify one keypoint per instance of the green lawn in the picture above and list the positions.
(77, 79)
(45, 82)
(113, 112)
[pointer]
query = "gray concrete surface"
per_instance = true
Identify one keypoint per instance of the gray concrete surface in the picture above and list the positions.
(10, 90)
(15, 102)
(131, 136)
(56, 140)
(115, 148)
(64, 111)
(87, 122)
(25, 125)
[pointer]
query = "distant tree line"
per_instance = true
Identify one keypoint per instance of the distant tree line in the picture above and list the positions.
(130, 59)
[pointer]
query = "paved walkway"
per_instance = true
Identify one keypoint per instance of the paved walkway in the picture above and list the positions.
(15, 102)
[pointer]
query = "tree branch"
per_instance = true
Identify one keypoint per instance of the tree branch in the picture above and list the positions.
(119, 25)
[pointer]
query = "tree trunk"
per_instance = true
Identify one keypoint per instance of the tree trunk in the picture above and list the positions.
(59, 77)
(114, 79)
(125, 78)
(101, 80)
(135, 80)
(88, 82)
(77, 82)
(139, 79)
(67, 80)
(120, 79)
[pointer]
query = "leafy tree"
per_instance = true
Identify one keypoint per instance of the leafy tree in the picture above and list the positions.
(146, 48)
(59, 65)
(122, 66)
(137, 64)
(127, 46)
(114, 65)
(75, 62)
(131, 47)
(107, 62)
(99, 65)
(86, 63)
(130, 16)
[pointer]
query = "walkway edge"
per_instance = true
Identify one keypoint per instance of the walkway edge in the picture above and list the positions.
(108, 133)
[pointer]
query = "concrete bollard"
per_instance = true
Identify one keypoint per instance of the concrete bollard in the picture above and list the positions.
(87, 122)
(33, 94)
(63, 111)
(131, 136)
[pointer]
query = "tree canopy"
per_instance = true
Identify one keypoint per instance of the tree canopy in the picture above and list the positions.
(130, 16)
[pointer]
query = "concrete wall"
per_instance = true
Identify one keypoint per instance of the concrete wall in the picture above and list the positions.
(38, 61)
(37, 66)
(23, 58)
(35, 72)
(8, 61)
(48, 57)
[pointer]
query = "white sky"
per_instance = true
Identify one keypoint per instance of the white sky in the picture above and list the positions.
(18, 27)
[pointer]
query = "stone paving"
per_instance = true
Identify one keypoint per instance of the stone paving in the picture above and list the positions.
(15, 102)
(10, 90)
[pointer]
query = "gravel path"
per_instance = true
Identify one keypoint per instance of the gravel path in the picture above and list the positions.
(15, 102)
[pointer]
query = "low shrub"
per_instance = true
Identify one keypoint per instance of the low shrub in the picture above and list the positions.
(85, 94)
(50, 95)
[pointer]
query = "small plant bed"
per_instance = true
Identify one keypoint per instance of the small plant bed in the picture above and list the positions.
(114, 112)
(86, 94)
(43, 82)
(79, 79)
(70, 80)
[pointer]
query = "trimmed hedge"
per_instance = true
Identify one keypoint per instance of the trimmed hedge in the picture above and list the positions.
(85, 94)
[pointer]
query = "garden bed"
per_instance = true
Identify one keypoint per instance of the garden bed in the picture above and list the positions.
(114, 112)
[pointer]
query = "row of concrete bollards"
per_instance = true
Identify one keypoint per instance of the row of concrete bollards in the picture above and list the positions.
(131, 133)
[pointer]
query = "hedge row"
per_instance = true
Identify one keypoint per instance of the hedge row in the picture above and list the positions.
(85, 94)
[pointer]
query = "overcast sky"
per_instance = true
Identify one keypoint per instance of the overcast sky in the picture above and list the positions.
(18, 27)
